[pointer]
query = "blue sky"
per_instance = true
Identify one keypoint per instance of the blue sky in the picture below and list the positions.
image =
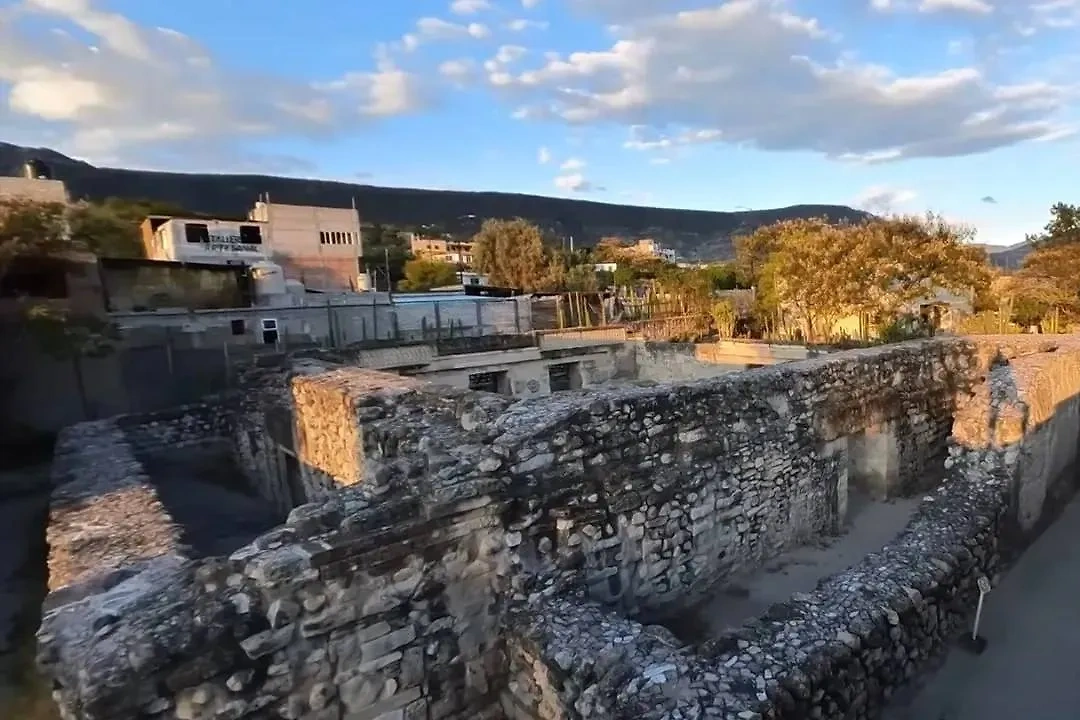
(965, 107)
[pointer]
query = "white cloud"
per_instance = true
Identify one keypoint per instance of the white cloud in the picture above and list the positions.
(104, 100)
(543, 156)
(458, 71)
(884, 200)
(431, 28)
(766, 77)
(469, 7)
(970, 6)
(1022, 18)
(572, 165)
(642, 138)
(575, 183)
(523, 24)
(529, 4)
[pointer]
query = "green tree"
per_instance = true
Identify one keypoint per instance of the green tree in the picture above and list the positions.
(385, 247)
(724, 316)
(512, 254)
(105, 232)
(723, 276)
(422, 275)
(1062, 229)
(30, 229)
(625, 275)
(582, 278)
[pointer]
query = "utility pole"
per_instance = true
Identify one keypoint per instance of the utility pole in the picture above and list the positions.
(386, 260)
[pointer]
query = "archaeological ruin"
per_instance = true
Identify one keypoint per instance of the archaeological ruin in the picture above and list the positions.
(330, 542)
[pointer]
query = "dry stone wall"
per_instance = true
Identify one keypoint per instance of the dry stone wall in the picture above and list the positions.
(463, 536)
(655, 493)
(842, 650)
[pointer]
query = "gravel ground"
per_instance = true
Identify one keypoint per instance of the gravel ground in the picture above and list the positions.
(870, 526)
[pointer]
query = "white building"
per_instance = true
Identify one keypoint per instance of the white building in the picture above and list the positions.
(219, 242)
(319, 246)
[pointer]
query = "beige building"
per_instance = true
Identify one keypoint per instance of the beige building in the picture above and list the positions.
(320, 246)
(455, 252)
(648, 247)
(32, 188)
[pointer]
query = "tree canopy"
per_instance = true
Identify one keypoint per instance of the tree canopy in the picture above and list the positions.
(1063, 227)
(422, 275)
(817, 272)
(512, 254)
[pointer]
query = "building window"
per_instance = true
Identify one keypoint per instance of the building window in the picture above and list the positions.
(324, 237)
(565, 376)
(269, 331)
(251, 235)
(492, 382)
(237, 326)
(197, 232)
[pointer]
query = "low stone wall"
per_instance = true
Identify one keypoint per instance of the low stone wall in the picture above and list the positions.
(679, 362)
(104, 514)
(843, 649)
(380, 603)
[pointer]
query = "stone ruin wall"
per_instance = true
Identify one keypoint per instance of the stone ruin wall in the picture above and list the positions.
(474, 535)
(842, 650)
(104, 512)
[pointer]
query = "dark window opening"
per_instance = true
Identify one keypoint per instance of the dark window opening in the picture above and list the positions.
(238, 326)
(35, 277)
(196, 233)
(251, 234)
(565, 376)
(492, 382)
(269, 332)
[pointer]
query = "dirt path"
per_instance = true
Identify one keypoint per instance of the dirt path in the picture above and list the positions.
(870, 526)
(1032, 625)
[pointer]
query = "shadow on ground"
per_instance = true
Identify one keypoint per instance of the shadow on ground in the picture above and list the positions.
(24, 503)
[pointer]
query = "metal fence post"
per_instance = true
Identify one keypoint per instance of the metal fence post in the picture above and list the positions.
(479, 317)
(228, 367)
(438, 322)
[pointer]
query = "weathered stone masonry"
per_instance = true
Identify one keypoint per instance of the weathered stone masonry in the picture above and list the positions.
(843, 649)
(485, 558)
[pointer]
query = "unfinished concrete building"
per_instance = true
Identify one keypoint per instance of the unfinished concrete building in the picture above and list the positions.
(413, 551)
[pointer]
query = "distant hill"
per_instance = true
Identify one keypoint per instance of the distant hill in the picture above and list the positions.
(694, 234)
(1009, 257)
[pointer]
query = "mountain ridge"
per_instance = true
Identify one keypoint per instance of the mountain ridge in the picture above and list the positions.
(694, 234)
